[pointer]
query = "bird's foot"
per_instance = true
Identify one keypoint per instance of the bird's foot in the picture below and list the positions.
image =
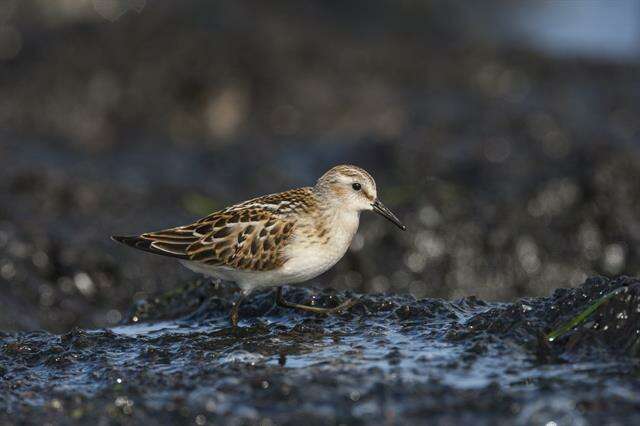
(280, 301)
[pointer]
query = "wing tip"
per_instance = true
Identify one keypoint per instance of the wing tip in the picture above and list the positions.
(135, 241)
(145, 244)
(125, 239)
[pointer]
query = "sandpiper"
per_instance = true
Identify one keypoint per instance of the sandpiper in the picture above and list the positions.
(276, 239)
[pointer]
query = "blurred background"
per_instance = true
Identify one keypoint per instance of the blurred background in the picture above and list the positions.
(505, 134)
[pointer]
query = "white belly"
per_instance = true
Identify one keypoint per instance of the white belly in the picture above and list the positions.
(309, 262)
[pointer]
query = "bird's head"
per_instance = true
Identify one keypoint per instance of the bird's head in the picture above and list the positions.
(352, 188)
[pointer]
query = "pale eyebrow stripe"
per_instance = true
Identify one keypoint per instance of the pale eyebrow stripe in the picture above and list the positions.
(351, 174)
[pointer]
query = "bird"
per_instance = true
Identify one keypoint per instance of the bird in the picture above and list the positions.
(277, 239)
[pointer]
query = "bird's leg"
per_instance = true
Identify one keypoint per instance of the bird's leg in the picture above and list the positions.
(281, 302)
(234, 309)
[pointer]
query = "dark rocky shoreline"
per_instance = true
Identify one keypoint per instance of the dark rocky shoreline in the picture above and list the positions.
(390, 360)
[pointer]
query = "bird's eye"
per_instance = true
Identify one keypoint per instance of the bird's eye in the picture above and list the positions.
(356, 186)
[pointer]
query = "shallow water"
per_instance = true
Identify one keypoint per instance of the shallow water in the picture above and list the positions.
(391, 359)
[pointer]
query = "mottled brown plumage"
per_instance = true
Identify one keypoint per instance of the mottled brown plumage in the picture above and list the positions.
(246, 236)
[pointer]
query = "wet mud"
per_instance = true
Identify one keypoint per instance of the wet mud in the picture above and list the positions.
(391, 359)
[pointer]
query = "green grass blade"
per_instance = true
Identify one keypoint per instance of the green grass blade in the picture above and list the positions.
(582, 316)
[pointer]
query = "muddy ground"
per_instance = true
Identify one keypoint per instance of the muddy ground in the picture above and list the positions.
(389, 360)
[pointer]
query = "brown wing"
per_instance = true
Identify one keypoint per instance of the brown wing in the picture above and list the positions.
(240, 237)
(251, 242)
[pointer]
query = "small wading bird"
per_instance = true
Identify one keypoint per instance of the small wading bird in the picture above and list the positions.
(277, 239)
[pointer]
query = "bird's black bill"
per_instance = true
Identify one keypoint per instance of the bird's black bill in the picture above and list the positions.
(379, 208)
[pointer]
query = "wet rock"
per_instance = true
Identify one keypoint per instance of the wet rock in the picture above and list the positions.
(451, 362)
(77, 338)
(614, 325)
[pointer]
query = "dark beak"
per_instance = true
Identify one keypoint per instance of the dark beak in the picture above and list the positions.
(379, 208)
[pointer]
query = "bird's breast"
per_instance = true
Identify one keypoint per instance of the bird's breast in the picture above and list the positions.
(317, 246)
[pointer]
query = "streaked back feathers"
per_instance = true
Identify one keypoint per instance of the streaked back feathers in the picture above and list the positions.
(250, 235)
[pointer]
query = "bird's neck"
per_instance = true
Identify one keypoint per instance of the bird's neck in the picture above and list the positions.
(334, 216)
(342, 222)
